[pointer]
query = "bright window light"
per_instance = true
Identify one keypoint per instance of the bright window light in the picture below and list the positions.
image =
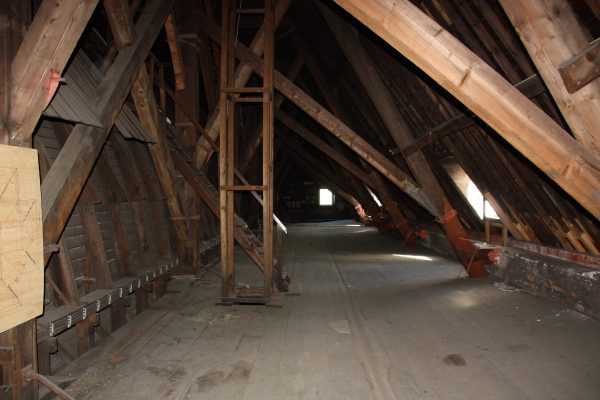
(373, 196)
(468, 188)
(413, 257)
(325, 197)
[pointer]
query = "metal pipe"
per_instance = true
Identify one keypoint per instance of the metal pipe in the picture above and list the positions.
(30, 375)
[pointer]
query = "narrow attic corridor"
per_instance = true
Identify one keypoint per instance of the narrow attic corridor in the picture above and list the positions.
(366, 318)
(299, 199)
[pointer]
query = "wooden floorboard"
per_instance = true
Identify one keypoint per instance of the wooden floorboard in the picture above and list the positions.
(364, 320)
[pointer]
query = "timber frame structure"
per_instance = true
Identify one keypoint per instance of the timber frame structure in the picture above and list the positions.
(131, 106)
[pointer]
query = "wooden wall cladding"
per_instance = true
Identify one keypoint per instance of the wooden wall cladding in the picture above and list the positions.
(21, 243)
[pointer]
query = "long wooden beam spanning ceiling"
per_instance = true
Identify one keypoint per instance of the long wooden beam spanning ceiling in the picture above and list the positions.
(329, 122)
(450, 63)
(71, 169)
(36, 69)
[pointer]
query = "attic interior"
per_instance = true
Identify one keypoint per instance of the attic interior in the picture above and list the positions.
(303, 199)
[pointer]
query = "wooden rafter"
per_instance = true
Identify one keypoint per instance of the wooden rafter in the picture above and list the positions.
(569, 163)
(176, 59)
(40, 61)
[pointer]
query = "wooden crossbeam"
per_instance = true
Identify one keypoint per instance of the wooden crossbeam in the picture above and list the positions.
(569, 163)
(70, 170)
(40, 61)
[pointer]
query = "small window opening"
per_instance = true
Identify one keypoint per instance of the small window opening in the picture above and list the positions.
(373, 196)
(468, 188)
(325, 197)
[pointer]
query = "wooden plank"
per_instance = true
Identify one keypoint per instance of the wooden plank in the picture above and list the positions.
(120, 22)
(569, 163)
(176, 59)
(22, 266)
(552, 36)
(41, 58)
(330, 123)
(242, 75)
(70, 170)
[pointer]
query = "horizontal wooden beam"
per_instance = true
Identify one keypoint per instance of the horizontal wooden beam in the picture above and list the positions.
(457, 69)
(40, 61)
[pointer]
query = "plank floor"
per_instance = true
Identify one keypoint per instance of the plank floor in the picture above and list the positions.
(367, 318)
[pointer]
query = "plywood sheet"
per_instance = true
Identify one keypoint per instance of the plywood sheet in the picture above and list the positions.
(21, 244)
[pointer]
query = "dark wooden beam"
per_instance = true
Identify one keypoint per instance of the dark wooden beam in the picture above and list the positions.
(40, 61)
(120, 21)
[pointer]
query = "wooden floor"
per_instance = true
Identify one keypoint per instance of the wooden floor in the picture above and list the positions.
(367, 319)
